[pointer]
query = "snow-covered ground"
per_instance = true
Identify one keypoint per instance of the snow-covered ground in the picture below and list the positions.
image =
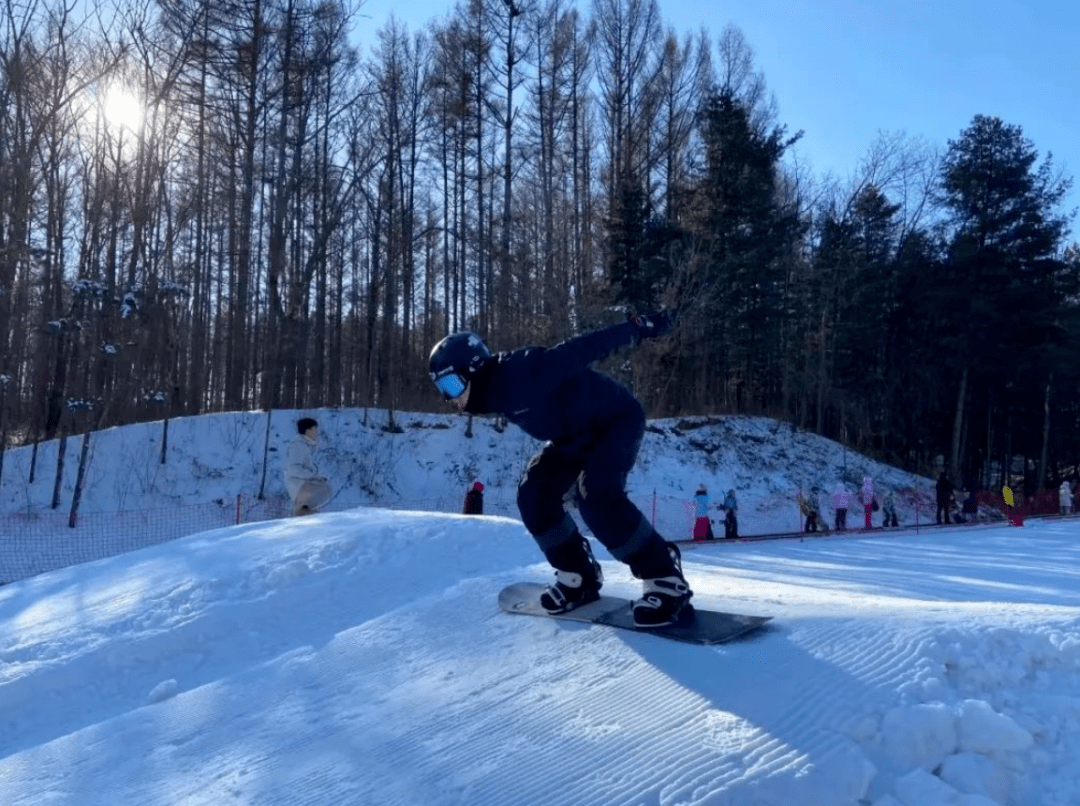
(359, 657)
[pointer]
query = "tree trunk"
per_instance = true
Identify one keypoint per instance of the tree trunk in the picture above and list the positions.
(1044, 455)
(80, 477)
(60, 451)
(958, 427)
(266, 455)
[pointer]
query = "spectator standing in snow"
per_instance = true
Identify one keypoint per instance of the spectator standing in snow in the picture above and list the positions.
(474, 500)
(731, 520)
(955, 508)
(841, 501)
(309, 490)
(591, 428)
(808, 507)
(813, 509)
(702, 524)
(868, 502)
(1065, 498)
(888, 511)
(944, 489)
(969, 510)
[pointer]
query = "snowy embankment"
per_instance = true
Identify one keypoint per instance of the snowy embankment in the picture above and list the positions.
(132, 499)
(359, 658)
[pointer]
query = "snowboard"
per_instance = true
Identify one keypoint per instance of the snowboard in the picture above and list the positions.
(703, 627)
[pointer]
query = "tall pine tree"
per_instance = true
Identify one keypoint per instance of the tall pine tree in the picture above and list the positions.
(997, 302)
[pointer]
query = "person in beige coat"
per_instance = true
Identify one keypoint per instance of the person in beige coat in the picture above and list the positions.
(309, 490)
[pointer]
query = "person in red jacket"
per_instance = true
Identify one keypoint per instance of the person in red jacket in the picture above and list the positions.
(474, 500)
(592, 427)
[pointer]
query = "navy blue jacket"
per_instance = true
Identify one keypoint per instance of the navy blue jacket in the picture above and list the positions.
(552, 393)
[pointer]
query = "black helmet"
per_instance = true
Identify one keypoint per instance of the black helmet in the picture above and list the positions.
(454, 359)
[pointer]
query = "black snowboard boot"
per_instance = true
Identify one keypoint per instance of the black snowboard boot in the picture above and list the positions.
(666, 594)
(578, 576)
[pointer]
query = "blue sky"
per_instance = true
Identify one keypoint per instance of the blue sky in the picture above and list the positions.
(842, 70)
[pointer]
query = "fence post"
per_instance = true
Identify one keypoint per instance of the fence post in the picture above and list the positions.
(238, 496)
(654, 508)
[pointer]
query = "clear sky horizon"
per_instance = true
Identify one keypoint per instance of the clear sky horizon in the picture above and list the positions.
(843, 70)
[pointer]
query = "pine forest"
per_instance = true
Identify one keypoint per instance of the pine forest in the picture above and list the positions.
(234, 205)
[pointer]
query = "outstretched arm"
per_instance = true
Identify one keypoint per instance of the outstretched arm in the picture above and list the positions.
(532, 372)
(580, 351)
(577, 353)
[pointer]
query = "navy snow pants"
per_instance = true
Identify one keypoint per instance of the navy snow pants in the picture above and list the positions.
(598, 463)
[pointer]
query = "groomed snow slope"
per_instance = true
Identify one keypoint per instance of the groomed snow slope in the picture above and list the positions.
(359, 658)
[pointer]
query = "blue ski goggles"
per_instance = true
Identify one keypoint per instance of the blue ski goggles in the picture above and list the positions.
(451, 385)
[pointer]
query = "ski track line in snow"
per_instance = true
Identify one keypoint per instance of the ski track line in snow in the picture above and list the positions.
(674, 741)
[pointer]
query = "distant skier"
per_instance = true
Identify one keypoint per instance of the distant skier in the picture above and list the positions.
(841, 500)
(969, 509)
(702, 524)
(474, 500)
(944, 489)
(308, 489)
(731, 520)
(593, 427)
(812, 508)
(888, 511)
(1065, 498)
(867, 495)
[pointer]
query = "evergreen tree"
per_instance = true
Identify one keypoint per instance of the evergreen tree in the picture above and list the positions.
(640, 262)
(998, 299)
(745, 232)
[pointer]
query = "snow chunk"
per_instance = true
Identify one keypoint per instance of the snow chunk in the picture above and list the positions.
(845, 777)
(841, 779)
(920, 735)
(920, 788)
(887, 800)
(164, 690)
(984, 730)
(976, 800)
(976, 775)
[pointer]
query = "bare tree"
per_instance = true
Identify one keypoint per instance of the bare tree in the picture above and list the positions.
(629, 35)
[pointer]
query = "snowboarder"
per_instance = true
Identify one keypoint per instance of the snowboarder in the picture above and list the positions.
(702, 524)
(841, 500)
(731, 520)
(474, 500)
(944, 489)
(593, 428)
(309, 490)
(1065, 498)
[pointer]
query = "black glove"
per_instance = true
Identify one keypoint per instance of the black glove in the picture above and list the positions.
(652, 325)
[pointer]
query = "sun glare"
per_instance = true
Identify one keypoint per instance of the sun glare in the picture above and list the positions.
(122, 109)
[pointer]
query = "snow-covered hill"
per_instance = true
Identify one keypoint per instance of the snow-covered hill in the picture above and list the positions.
(212, 460)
